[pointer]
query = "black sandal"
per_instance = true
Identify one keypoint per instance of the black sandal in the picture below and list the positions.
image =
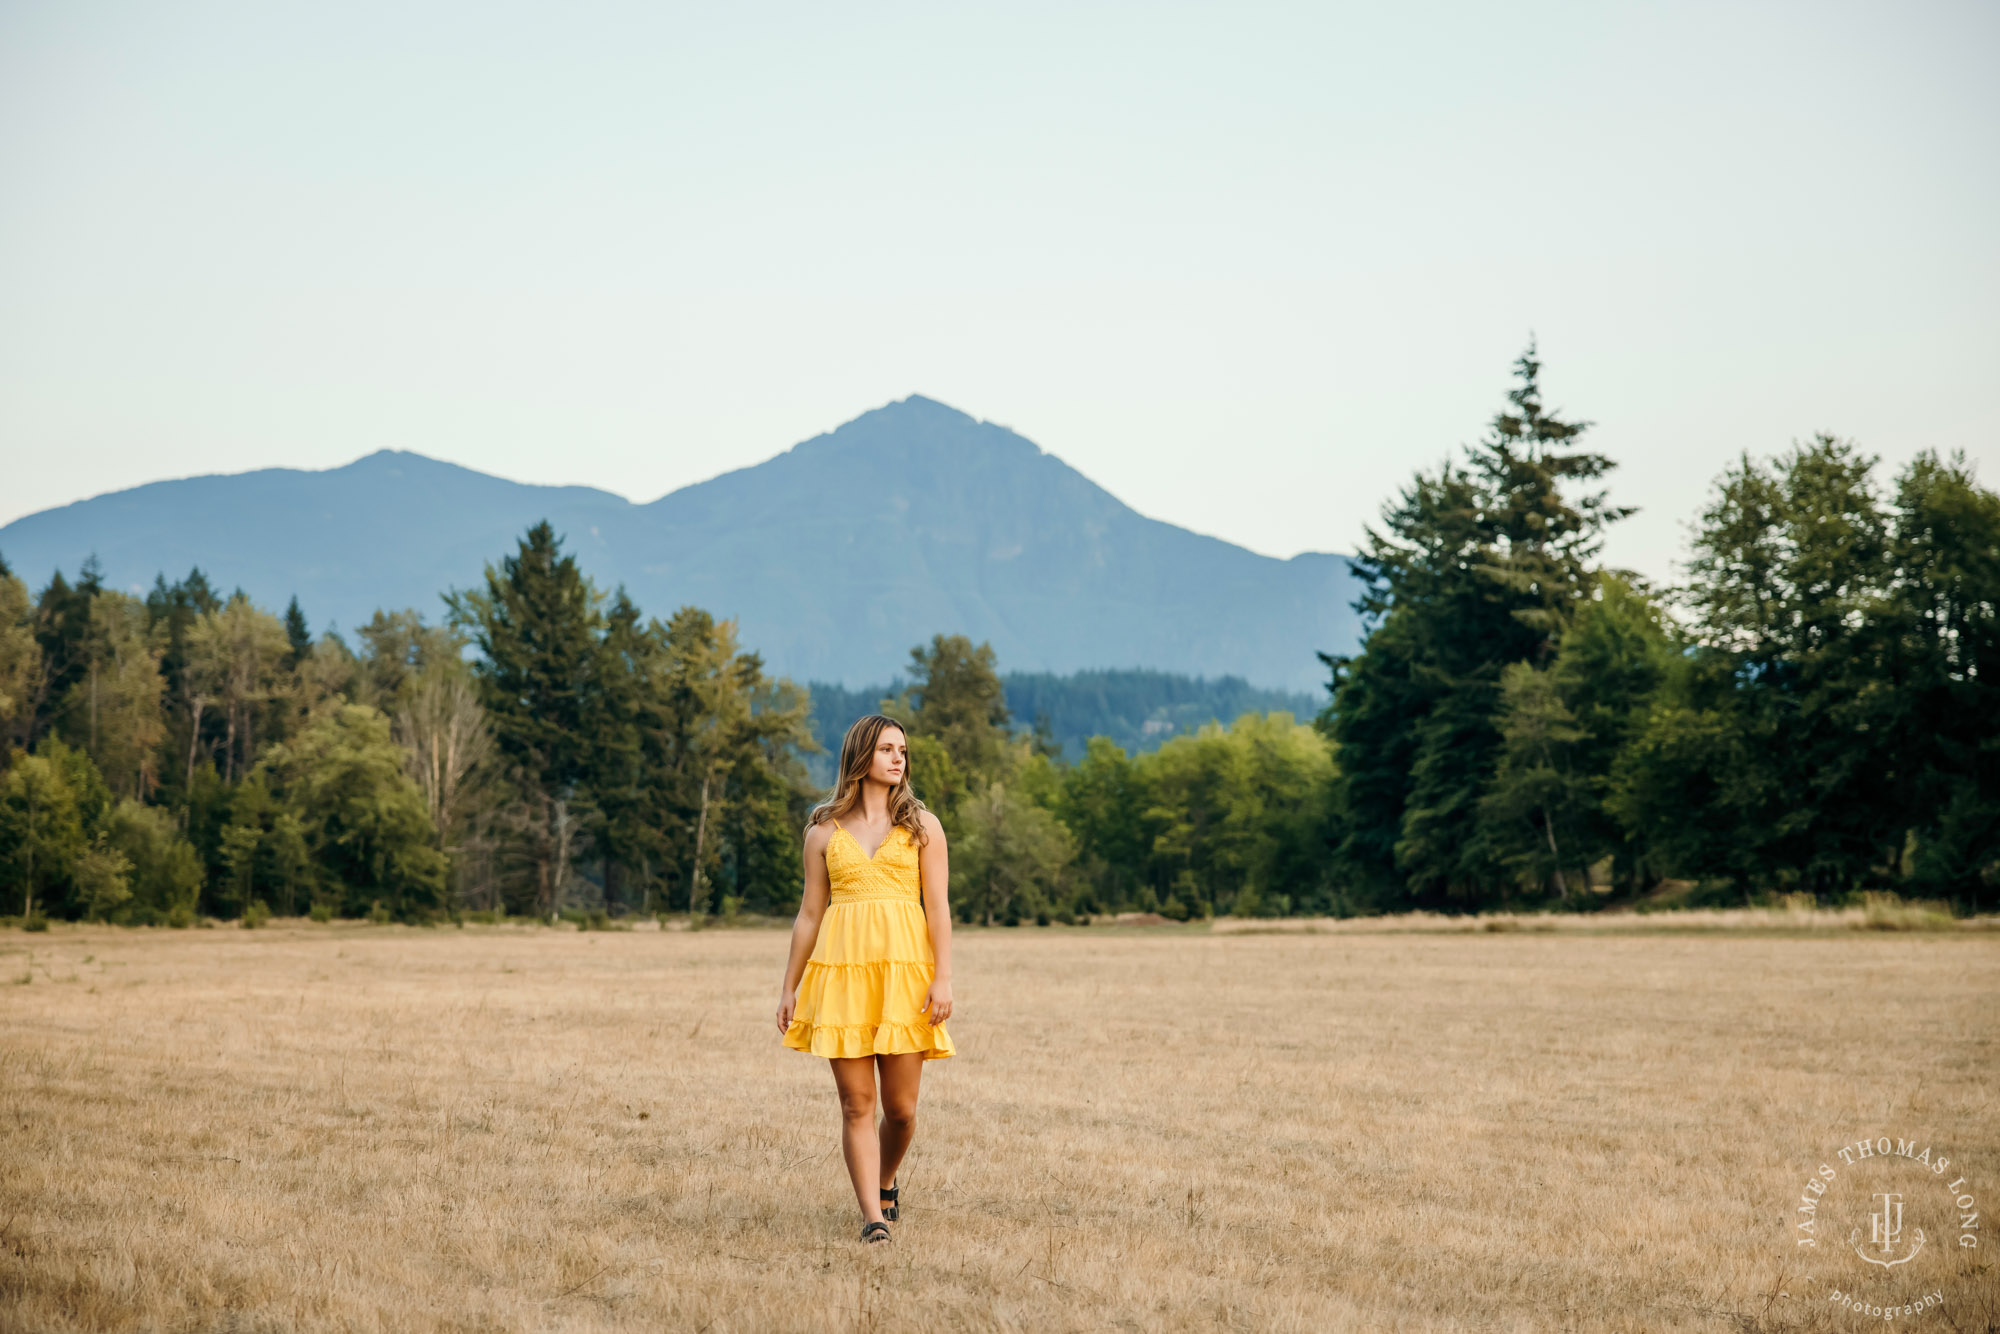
(889, 1203)
(872, 1232)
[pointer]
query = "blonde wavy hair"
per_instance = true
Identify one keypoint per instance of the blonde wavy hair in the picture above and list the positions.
(857, 757)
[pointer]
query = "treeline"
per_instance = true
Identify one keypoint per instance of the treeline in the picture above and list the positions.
(187, 754)
(1812, 710)
(549, 750)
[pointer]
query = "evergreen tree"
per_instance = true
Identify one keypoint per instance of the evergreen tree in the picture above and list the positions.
(619, 788)
(1479, 567)
(297, 633)
(536, 625)
(955, 714)
(62, 631)
(958, 699)
(172, 612)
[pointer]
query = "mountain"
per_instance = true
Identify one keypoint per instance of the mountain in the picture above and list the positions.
(835, 557)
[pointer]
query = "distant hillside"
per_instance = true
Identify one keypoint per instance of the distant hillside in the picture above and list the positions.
(1140, 710)
(835, 557)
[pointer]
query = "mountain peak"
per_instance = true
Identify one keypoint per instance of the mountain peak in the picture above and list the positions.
(917, 426)
(914, 409)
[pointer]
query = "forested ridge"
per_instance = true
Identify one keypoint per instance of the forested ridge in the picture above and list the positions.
(1812, 709)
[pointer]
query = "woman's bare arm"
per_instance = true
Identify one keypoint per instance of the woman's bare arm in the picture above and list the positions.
(805, 927)
(934, 867)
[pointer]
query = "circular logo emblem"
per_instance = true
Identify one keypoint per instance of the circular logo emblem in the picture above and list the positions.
(1879, 1225)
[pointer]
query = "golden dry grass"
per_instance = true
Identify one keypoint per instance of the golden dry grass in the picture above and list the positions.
(383, 1128)
(1795, 913)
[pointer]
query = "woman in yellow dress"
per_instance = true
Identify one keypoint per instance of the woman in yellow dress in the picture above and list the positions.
(868, 979)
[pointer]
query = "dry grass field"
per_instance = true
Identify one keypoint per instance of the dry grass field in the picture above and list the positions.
(351, 1127)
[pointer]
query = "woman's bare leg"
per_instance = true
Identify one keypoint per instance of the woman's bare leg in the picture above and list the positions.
(900, 1075)
(854, 1076)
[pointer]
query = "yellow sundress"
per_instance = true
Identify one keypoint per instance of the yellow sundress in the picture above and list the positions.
(863, 989)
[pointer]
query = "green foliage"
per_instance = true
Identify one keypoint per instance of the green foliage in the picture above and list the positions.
(658, 752)
(1837, 729)
(1136, 709)
(41, 834)
(400, 649)
(1238, 815)
(297, 633)
(1540, 796)
(536, 625)
(944, 787)
(63, 633)
(954, 712)
(115, 709)
(80, 777)
(1943, 617)
(1479, 567)
(20, 663)
(957, 700)
(1007, 856)
(1828, 720)
(103, 881)
(166, 875)
(1102, 801)
(234, 686)
(369, 839)
(1562, 728)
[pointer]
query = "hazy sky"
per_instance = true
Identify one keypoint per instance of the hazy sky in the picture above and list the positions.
(1247, 266)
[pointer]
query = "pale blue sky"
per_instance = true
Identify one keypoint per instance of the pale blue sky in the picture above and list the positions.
(1245, 265)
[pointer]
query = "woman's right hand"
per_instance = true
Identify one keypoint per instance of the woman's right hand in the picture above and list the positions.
(786, 1005)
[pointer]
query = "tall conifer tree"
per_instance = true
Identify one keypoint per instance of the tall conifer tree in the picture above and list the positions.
(1477, 567)
(536, 625)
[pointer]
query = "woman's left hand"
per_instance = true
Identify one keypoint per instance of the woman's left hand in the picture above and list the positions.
(937, 1005)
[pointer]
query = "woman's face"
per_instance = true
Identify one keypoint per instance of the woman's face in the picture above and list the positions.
(892, 757)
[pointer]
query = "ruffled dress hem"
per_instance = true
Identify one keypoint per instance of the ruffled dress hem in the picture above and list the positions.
(867, 986)
(851, 1040)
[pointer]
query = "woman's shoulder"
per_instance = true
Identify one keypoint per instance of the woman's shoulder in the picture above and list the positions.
(930, 824)
(817, 835)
